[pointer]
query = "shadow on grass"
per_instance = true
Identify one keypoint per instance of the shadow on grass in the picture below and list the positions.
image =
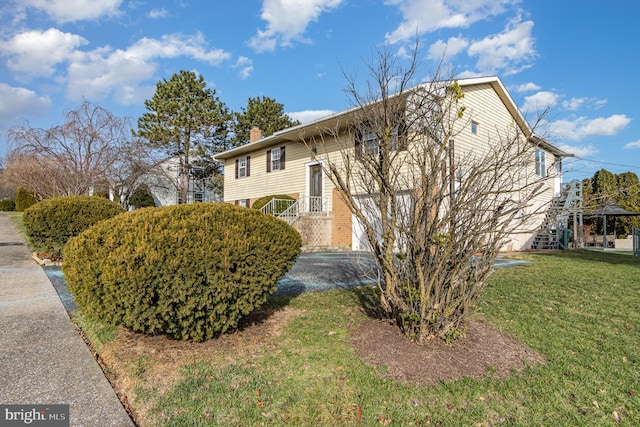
(595, 256)
(368, 299)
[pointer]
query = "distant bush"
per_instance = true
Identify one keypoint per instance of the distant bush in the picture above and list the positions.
(24, 199)
(7, 205)
(142, 197)
(187, 271)
(50, 223)
(279, 206)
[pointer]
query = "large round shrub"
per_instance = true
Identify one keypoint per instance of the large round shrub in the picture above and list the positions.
(188, 271)
(50, 223)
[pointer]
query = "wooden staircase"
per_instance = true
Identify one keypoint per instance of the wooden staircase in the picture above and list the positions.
(556, 221)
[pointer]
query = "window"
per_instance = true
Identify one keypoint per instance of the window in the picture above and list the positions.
(198, 197)
(474, 127)
(242, 167)
(275, 159)
(370, 143)
(367, 142)
(243, 203)
(558, 167)
(541, 169)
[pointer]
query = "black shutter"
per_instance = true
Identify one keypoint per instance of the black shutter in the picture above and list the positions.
(282, 158)
(402, 135)
(237, 161)
(358, 144)
(268, 161)
(248, 157)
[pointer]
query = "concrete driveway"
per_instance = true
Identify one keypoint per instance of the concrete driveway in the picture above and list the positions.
(312, 272)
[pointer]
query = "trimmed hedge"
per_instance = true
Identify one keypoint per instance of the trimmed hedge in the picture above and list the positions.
(50, 223)
(24, 199)
(187, 271)
(7, 205)
(279, 208)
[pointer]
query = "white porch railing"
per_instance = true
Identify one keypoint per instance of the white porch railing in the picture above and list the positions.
(277, 206)
(314, 205)
(289, 210)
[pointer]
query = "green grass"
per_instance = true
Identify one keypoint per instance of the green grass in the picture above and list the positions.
(99, 334)
(16, 218)
(580, 309)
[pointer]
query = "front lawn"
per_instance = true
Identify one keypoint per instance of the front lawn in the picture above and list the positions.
(294, 365)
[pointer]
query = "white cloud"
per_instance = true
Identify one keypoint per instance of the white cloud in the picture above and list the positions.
(468, 74)
(449, 49)
(509, 50)
(310, 115)
(575, 103)
(539, 101)
(579, 150)
(635, 144)
(422, 17)
(104, 71)
(287, 20)
(527, 87)
(17, 102)
(158, 13)
(36, 53)
(581, 127)
(245, 65)
(74, 10)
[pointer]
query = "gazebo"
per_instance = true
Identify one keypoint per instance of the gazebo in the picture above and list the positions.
(609, 208)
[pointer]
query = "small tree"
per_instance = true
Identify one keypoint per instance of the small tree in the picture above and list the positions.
(185, 119)
(264, 112)
(434, 220)
(7, 188)
(24, 199)
(141, 197)
(72, 158)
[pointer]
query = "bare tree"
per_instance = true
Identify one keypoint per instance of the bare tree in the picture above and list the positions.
(435, 217)
(36, 173)
(136, 165)
(75, 156)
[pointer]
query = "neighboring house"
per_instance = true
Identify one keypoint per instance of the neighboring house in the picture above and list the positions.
(164, 185)
(283, 164)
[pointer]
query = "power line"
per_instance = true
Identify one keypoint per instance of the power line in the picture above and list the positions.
(606, 163)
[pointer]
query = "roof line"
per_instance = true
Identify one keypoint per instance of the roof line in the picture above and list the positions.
(494, 81)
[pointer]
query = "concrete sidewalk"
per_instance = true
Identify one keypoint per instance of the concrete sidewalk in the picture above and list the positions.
(43, 360)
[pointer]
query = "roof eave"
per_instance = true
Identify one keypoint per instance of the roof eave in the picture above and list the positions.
(297, 133)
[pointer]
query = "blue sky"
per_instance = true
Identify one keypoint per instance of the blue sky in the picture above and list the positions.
(577, 57)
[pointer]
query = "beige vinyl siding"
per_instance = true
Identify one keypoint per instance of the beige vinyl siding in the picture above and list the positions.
(260, 183)
(484, 105)
(291, 180)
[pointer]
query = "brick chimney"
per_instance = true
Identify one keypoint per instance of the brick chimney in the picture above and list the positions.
(255, 134)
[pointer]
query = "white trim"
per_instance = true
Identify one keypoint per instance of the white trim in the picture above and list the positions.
(307, 187)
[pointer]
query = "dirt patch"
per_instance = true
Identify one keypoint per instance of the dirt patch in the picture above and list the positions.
(135, 358)
(485, 352)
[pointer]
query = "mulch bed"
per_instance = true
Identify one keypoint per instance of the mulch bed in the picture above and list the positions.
(486, 352)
